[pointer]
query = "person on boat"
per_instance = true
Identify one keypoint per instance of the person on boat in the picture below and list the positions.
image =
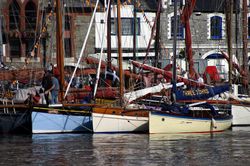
(54, 89)
(55, 71)
(47, 84)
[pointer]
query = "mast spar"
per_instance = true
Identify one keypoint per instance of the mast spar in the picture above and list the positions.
(229, 13)
(174, 53)
(59, 48)
(120, 51)
(109, 35)
(157, 62)
(186, 14)
(244, 40)
(1, 41)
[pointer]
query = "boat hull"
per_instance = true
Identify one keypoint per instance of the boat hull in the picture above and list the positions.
(160, 122)
(45, 122)
(241, 115)
(111, 120)
(15, 123)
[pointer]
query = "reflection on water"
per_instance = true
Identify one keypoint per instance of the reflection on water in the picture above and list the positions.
(228, 148)
(178, 137)
(241, 128)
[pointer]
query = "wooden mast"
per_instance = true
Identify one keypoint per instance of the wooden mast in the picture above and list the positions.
(157, 63)
(174, 53)
(1, 41)
(109, 35)
(229, 13)
(134, 35)
(244, 51)
(120, 51)
(59, 48)
(185, 17)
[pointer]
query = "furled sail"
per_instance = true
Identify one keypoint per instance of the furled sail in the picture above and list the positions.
(131, 96)
(167, 74)
(201, 93)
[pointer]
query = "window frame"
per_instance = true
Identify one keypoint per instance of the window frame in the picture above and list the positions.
(15, 15)
(131, 26)
(67, 47)
(67, 25)
(223, 25)
(180, 28)
(215, 28)
(15, 43)
(30, 24)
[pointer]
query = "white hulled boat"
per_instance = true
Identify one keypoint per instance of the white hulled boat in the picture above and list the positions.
(196, 120)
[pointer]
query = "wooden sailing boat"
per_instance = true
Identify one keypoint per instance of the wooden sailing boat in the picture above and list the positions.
(193, 118)
(119, 118)
(61, 118)
(240, 111)
(14, 118)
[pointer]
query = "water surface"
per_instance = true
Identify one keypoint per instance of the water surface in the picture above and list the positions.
(228, 148)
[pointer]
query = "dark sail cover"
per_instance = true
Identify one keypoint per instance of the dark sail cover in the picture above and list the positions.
(201, 93)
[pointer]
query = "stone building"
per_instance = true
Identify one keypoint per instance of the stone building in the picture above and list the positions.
(208, 31)
(145, 18)
(24, 20)
(19, 22)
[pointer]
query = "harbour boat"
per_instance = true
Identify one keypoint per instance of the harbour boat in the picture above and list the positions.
(193, 118)
(61, 119)
(132, 118)
(119, 120)
(240, 109)
(119, 116)
(14, 119)
(201, 118)
(66, 117)
(241, 115)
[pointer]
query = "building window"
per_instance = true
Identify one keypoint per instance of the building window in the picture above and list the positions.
(67, 23)
(127, 26)
(14, 13)
(30, 16)
(67, 47)
(15, 47)
(216, 27)
(180, 28)
(113, 26)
